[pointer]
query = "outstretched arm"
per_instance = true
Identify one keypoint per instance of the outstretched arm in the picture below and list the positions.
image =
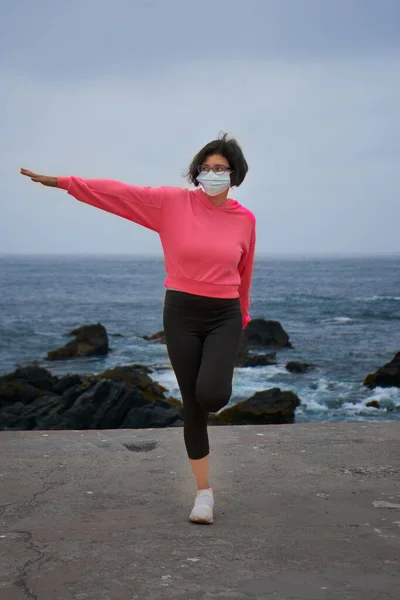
(142, 205)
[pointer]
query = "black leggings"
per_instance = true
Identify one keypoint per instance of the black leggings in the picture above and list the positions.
(202, 336)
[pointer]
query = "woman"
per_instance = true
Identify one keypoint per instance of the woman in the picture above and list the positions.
(208, 241)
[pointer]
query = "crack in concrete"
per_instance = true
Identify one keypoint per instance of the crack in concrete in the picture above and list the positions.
(50, 486)
(25, 505)
(21, 581)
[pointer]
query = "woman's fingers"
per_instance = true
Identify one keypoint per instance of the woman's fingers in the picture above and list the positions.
(43, 179)
(34, 176)
(28, 173)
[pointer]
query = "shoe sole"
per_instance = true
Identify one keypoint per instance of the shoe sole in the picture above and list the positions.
(200, 520)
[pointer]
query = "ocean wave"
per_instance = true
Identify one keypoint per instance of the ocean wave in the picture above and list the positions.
(375, 298)
(388, 396)
(337, 320)
(359, 408)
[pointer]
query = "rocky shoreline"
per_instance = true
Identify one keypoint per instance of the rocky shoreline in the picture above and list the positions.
(32, 397)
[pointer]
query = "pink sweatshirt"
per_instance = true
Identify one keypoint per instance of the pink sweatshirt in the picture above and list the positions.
(208, 249)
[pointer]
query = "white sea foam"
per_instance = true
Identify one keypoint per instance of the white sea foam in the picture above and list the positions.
(313, 405)
(342, 319)
(358, 408)
(376, 297)
(323, 385)
(270, 370)
(167, 379)
(387, 397)
(315, 399)
(339, 319)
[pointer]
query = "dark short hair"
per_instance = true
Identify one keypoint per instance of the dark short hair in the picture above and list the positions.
(227, 147)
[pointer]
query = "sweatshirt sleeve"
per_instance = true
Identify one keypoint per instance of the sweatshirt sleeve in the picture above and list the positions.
(142, 205)
(245, 268)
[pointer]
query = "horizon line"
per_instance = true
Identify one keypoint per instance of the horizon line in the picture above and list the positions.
(161, 256)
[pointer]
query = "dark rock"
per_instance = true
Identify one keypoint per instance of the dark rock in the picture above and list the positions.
(90, 340)
(262, 333)
(386, 376)
(120, 397)
(89, 409)
(156, 337)
(295, 366)
(25, 384)
(265, 407)
(28, 416)
(129, 401)
(133, 375)
(36, 376)
(373, 403)
(124, 397)
(257, 360)
(160, 414)
(12, 418)
(17, 390)
(143, 368)
(66, 382)
(73, 393)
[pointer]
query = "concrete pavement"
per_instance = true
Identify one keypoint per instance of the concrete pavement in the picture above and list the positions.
(303, 512)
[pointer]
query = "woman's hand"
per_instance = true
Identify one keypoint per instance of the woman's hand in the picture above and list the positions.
(43, 179)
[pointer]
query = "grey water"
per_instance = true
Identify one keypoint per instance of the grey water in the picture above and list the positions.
(341, 313)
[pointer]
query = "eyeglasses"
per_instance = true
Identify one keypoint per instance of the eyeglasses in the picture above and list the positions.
(218, 169)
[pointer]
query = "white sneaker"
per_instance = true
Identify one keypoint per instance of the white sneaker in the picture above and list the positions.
(202, 511)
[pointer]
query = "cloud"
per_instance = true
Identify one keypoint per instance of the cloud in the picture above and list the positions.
(75, 40)
(320, 135)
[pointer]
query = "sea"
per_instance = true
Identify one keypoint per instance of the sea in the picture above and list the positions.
(342, 313)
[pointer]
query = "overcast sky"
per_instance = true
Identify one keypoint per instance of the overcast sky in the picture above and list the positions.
(131, 89)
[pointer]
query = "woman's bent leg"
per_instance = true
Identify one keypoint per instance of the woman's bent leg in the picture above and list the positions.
(220, 347)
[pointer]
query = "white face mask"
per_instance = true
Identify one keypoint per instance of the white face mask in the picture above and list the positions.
(214, 183)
